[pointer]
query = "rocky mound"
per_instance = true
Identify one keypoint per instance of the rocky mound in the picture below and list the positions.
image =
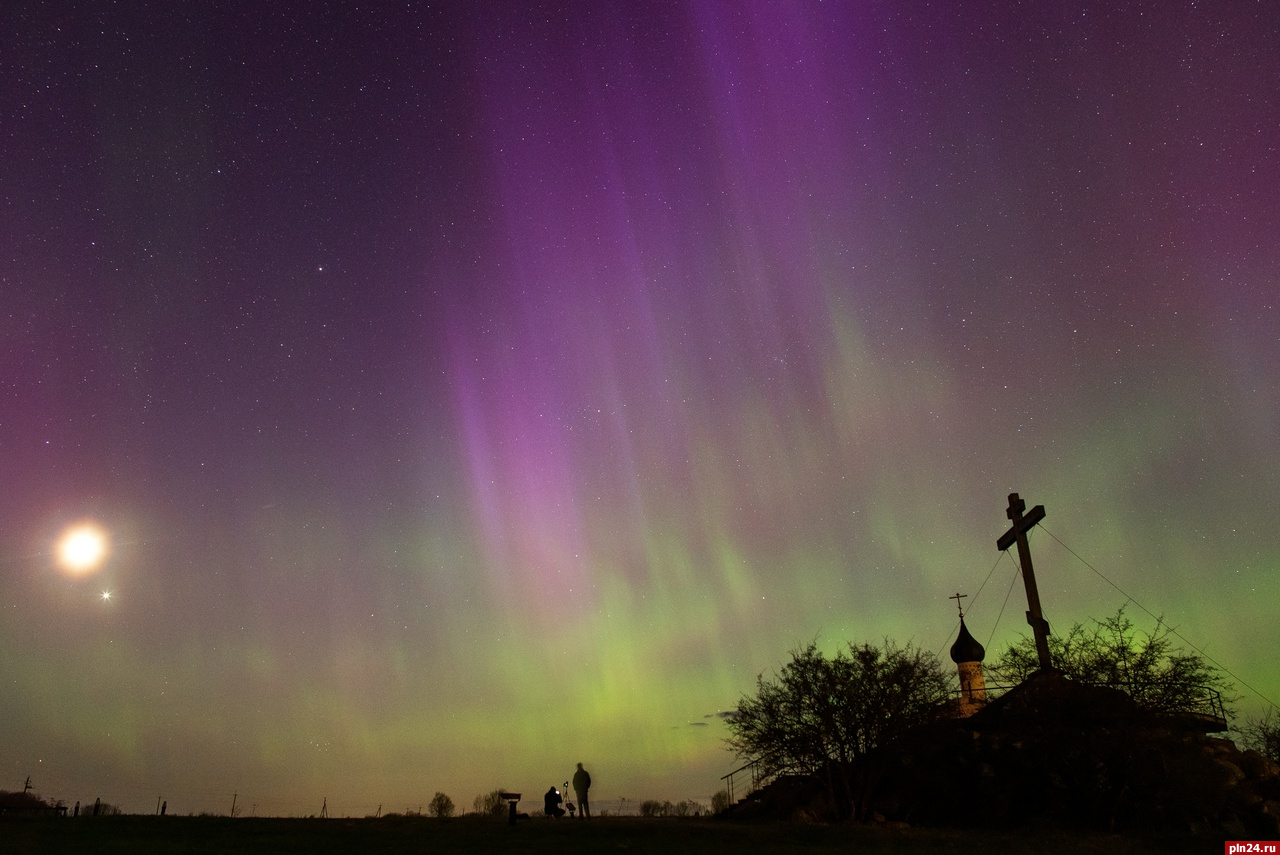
(1052, 753)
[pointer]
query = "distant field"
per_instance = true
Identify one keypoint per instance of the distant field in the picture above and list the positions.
(139, 835)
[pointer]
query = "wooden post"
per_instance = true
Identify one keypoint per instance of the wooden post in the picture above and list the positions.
(1018, 534)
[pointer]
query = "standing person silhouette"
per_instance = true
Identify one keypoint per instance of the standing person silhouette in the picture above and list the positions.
(582, 783)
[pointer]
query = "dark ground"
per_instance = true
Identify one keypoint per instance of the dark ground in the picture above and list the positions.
(139, 835)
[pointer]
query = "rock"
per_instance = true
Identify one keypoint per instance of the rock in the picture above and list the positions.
(1233, 827)
(1221, 747)
(1230, 774)
(1240, 799)
(1264, 820)
(1257, 766)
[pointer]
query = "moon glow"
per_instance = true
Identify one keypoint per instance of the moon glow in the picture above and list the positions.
(82, 549)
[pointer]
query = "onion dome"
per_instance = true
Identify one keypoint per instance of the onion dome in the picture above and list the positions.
(966, 648)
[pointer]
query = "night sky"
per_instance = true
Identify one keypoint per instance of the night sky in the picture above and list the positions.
(471, 389)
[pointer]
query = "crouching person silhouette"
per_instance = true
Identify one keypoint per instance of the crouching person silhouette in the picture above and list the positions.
(551, 803)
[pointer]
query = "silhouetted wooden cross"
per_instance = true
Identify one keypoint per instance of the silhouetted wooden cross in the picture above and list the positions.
(959, 606)
(1018, 534)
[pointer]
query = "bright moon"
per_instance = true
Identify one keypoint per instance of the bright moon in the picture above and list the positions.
(82, 549)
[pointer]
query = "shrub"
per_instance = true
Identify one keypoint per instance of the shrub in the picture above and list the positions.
(24, 802)
(818, 715)
(688, 807)
(818, 711)
(1148, 667)
(491, 803)
(441, 806)
(1263, 735)
(653, 807)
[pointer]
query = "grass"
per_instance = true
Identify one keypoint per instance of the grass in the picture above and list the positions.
(140, 835)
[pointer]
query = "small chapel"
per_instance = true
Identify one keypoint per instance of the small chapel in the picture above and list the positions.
(968, 654)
